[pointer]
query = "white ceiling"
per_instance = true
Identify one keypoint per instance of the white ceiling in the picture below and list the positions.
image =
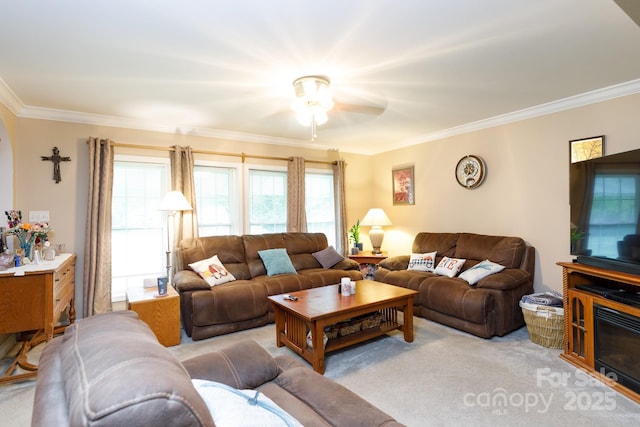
(402, 71)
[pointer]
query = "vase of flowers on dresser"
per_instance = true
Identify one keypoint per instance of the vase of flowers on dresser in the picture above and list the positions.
(30, 236)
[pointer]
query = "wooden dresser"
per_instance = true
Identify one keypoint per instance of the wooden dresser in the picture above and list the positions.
(32, 299)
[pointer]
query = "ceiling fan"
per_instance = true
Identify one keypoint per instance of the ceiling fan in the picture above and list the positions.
(313, 102)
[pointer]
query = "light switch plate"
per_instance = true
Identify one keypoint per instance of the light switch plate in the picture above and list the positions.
(38, 216)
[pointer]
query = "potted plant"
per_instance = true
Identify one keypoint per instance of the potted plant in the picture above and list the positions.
(354, 236)
(576, 239)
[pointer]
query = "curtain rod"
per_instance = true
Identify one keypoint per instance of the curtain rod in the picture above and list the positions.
(243, 156)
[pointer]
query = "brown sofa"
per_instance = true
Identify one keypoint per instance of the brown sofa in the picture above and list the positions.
(485, 309)
(110, 370)
(242, 304)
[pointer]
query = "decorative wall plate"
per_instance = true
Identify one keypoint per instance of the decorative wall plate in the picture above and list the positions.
(470, 171)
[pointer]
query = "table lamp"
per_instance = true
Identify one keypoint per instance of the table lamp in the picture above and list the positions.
(376, 219)
(172, 202)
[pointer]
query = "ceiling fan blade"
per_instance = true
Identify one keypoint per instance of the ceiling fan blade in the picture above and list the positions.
(374, 110)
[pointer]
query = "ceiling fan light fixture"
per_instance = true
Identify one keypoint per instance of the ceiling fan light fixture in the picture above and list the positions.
(313, 100)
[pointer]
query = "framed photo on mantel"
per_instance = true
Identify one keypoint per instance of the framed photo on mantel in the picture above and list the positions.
(402, 185)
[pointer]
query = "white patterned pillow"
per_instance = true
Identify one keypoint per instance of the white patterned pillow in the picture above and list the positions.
(212, 271)
(422, 262)
(232, 407)
(480, 270)
(449, 266)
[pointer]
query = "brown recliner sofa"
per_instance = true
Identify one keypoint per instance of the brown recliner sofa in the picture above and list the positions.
(485, 309)
(242, 304)
(110, 370)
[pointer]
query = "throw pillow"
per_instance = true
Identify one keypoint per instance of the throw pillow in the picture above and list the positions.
(422, 262)
(480, 270)
(449, 266)
(212, 271)
(276, 261)
(232, 407)
(328, 257)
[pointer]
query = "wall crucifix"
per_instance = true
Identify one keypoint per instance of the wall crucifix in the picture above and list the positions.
(56, 158)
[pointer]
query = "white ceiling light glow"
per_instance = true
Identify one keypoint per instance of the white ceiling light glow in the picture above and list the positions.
(313, 100)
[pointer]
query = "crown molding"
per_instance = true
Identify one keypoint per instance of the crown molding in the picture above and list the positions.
(599, 95)
(15, 105)
(129, 123)
(10, 99)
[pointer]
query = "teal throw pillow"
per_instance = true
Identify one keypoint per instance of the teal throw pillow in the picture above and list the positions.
(276, 261)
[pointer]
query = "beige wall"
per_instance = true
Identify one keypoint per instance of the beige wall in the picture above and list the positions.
(526, 190)
(66, 201)
(525, 193)
(7, 140)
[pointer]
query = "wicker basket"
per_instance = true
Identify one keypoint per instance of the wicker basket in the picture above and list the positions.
(372, 321)
(331, 331)
(348, 328)
(545, 324)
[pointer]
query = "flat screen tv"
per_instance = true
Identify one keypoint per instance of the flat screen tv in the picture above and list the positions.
(605, 208)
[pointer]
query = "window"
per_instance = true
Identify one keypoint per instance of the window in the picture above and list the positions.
(216, 200)
(320, 204)
(267, 201)
(614, 212)
(138, 228)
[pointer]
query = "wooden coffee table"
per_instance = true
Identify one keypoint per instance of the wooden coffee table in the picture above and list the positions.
(318, 308)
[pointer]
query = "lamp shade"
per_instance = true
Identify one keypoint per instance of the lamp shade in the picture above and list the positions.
(375, 217)
(174, 201)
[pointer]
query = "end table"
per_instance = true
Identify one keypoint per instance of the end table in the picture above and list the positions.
(368, 262)
(162, 314)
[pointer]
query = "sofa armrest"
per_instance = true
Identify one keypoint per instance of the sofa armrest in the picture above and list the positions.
(509, 278)
(346, 264)
(243, 365)
(395, 263)
(188, 280)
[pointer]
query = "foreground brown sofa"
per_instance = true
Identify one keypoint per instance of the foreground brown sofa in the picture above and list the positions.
(110, 370)
(485, 309)
(242, 304)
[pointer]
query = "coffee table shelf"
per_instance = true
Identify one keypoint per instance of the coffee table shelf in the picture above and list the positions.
(319, 308)
(361, 336)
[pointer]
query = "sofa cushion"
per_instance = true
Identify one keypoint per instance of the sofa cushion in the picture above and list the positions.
(276, 261)
(480, 271)
(442, 243)
(449, 266)
(328, 257)
(454, 297)
(244, 364)
(230, 251)
(231, 407)
(259, 242)
(212, 271)
(301, 246)
(505, 251)
(422, 262)
(231, 302)
(95, 380)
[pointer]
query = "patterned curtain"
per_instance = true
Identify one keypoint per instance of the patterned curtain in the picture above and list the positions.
(97, 248)
(296, 216)
(341, 212)
(186, 222)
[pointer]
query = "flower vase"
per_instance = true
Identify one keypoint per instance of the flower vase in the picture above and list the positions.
(26, 248)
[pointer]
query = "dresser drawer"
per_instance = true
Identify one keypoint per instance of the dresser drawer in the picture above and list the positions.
(63, 288)
(64, 277)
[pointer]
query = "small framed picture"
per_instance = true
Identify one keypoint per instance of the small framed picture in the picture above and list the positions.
(162, 285)
(402, 185)
(586, 148)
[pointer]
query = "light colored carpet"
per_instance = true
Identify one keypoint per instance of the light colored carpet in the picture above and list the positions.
(444, 378)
